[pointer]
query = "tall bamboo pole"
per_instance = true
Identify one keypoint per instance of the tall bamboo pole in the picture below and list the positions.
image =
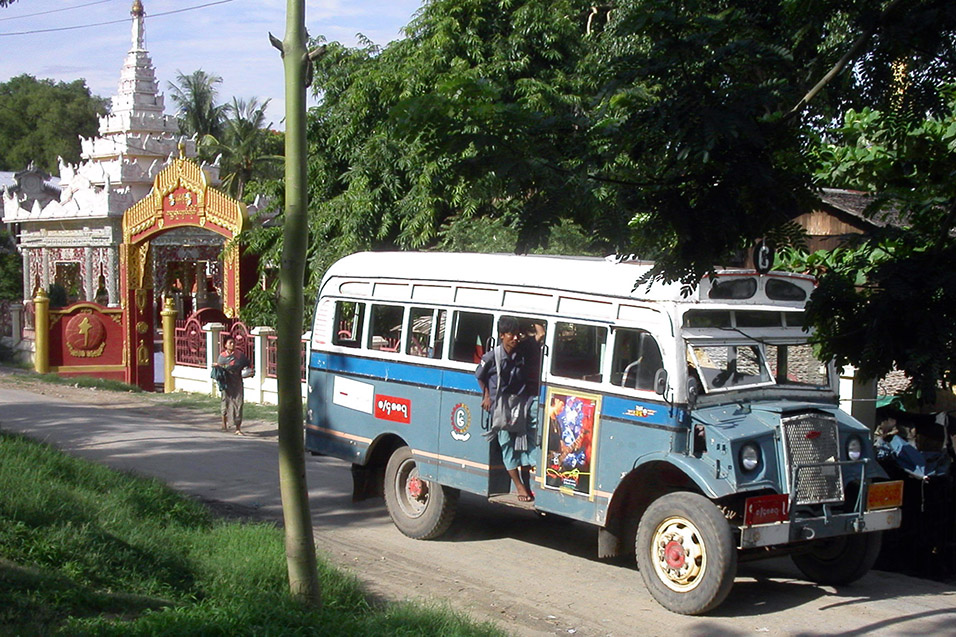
(299, 541)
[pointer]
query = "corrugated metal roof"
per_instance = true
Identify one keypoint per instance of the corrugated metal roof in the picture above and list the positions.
(854, 203)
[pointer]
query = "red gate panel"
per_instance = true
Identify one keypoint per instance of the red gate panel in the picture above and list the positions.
(86, 339)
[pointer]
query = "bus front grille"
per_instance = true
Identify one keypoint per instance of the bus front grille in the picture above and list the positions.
(811, 443)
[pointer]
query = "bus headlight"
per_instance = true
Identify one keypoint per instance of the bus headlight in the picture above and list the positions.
(749, 456)
(854, 448)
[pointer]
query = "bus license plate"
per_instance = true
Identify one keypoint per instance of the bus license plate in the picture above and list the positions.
(765, 509)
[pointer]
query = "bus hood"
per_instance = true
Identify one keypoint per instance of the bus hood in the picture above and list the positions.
(752, 418)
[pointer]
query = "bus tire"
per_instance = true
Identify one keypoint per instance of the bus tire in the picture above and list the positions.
(421, 509)
(686, 554)
(839, 560)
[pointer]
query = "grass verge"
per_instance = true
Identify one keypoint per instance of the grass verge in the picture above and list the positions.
(212, 405)
(86, 381)
(187, 400)
(85, 550)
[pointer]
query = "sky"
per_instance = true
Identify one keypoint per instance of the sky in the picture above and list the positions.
(228, 38)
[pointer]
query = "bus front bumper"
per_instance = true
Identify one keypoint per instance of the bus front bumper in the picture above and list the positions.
(802, 529)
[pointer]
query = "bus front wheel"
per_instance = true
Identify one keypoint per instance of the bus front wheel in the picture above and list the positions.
(421, 509)
(685, 553)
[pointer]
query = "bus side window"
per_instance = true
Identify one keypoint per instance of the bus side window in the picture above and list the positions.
(637, 357)
(426, 332)
(349, 319)
(438, 348)
(385, 327)
(578, 351)
(473, 330)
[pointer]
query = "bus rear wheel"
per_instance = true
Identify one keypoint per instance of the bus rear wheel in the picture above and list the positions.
(685, 553)
(421, 509)
(839, 560)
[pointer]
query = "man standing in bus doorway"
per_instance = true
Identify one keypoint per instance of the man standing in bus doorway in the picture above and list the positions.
(231, 365)
(512, 369)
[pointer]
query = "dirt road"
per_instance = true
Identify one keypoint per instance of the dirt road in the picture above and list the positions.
(534, 576)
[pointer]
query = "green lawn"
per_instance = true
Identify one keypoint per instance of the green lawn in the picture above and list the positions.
(201, 402)
(85, 550)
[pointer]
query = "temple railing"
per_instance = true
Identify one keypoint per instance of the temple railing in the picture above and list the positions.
(272, 358)
(198, 345)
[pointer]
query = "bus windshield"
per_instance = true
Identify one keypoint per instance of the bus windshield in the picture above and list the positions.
(737, 365)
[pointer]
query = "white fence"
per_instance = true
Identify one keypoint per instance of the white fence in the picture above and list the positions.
(259, 388)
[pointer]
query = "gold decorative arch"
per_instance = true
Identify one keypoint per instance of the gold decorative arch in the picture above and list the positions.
(181, 197)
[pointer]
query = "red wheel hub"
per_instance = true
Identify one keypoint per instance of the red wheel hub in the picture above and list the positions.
(414, 488)
(674, 554)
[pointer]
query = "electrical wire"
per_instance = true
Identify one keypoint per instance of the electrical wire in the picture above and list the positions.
(100, 24)
(30, 15)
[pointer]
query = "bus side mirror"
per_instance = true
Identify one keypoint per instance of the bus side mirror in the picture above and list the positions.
(660, 381)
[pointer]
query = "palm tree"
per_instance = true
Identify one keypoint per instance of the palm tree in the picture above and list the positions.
(195, 95)
(243, 147)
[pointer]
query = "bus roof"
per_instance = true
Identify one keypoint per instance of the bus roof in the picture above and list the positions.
(589, 275)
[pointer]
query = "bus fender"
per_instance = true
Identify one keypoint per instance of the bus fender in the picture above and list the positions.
(368, 474)
(652, 476)
(702, 474)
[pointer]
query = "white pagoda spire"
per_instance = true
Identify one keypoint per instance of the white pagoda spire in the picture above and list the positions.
(139, 27)
(138, 105)
(136, 140)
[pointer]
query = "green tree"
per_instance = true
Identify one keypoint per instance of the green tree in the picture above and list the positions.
(889, 300)
(41, 120)
(246, 146)
(676, 131)
(392, 164)
(11, 269)
(195, 95)
(494, 234)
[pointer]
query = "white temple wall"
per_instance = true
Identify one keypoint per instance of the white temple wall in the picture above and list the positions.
(46, 277)
(94, 249)
(27, 277)
(88, 285)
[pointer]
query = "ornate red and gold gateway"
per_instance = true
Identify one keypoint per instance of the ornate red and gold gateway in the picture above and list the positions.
(181, 197)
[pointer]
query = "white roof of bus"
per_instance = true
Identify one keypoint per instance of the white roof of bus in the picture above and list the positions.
(581, 274)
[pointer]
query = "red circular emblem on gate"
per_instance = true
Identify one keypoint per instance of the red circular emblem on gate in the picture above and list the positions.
(85, 333)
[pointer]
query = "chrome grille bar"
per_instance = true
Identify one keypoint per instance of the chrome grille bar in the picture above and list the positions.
(812, 448)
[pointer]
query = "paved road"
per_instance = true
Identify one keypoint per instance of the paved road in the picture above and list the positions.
(531, 575)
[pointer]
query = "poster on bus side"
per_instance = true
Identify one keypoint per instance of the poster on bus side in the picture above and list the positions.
(571, 419)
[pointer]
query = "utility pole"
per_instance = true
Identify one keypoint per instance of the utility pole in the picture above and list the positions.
(299, 541)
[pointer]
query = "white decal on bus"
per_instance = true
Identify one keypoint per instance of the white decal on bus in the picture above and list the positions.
(353, 394)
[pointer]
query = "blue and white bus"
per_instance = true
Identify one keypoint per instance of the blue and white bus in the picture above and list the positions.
(692, 428)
